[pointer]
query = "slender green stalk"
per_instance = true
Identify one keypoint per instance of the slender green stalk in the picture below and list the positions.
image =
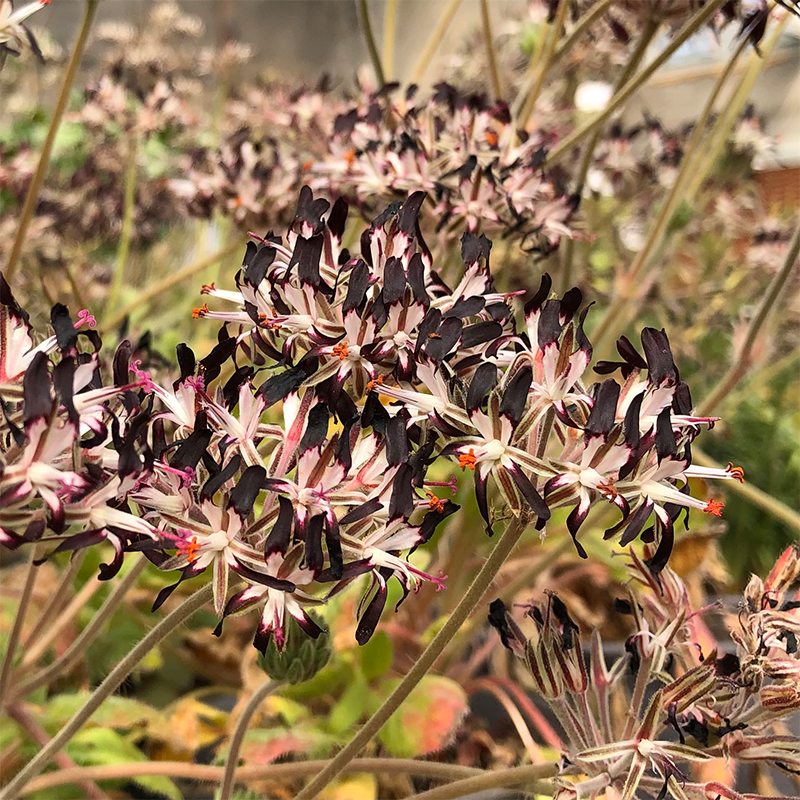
(126, 232)
(157, 289)
(389, 36)
(752, 494)
(767, 304)
(55, 123)
(57, 597)
(488, 37)
(471, 599)
(649, 31)
(676, 195)
(77, 649)
(362, 8)
(206, 773)
(434, 40)
(19, 622)
(544, 65)
(106, 688)
(583, 23)
(621, 97)
(532, 775)
(260, 694)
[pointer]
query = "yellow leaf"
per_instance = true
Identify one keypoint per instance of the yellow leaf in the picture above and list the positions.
(353, 787)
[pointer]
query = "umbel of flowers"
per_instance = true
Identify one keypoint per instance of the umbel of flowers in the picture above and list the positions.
(296, 453)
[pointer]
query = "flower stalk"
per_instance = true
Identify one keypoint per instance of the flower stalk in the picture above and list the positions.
(362, 7)
(488, 37)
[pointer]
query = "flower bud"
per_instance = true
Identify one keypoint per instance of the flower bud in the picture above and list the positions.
(780, 698)
(301, 658)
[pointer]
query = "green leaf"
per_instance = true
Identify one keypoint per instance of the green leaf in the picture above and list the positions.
(427, 720)
(116, 713)
(351, 706)
(376, 655)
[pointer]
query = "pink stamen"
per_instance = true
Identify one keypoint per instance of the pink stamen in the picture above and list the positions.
(143, 377)
(196, 382)
(85, 318)
(259, 238)
(451, 484)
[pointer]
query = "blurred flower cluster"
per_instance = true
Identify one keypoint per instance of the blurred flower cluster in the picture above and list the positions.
(381, 368)
(694, 698)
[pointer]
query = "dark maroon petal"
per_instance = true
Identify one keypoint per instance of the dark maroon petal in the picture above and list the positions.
(401, 503)
(440, 345)
(427, 327)
(416, 279)
(483, 503)
(536, 302)
(36, 390)
(244, 494)
(308, 626)
(444, 426)
(549, 328)
(394, 281)
(307, 254)
(396, 441)
(466, 307)
(66, 335)
(280, 386)
(570, 303)
(216, 482)
(262, 638)
(682, 399)
(480, 333)
(337, 219)
(528, 491)
(665, 436)
(636, 523)
(409, 213)
(312, 535)
(474, 248)
(211, 364)
(630, 354)
(574, 522)
(260, 577)
(515, 395)
(632, 434)
(352, 570)
(279, 536)
(334, 545)
(316, 430)
(604, 408)
(661, 556)
(163, 595)
(121, 364)
(357, 287)
(660, 364)
(108, 571)
(7, 300)
(372, 613)
(482, 382)
(310, 210)
(63, 382)
(257, 268)
(77, 541)
(433, 519)
(361, 512)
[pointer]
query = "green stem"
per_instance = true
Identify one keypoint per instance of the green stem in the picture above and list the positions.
(739, 367)
(106, 688)
(688, 30)
(434, 40)
(488, 37)
(362, 8)
(19, 622)
(649, 31)
(126, 232)
(533, 775)
(544, 65)
(78, 648)
(55, 123)
(389, 34)
(471, 599)
(204, 772)
(157, 289)
(689, 168)
(260, 694)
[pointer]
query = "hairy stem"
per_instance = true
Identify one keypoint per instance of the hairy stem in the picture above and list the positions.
(362, 8)
(157, 289)
(488, 37)
(205, 773)
(126, 232)
(434, 40)
(544, 65)
(77, 649)
(471, 599)
(621, 97)
(533, 775)
(389, 36)
(106, 688)
(55, 123)
(768, 302)
(260, 694)
(19, 622)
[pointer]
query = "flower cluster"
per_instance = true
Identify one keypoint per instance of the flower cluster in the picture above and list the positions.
(380, 368)
(727, 701)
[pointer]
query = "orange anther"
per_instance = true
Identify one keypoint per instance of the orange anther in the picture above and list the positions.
(308, 164)
(350, 157)
(199, 312)
(190, 548)
(737, 473)
(340, 350)
(491, 137)
(434, 502)
(715, 508)
(377, 382)
(207, 288)
(608, 490)
(467, 460)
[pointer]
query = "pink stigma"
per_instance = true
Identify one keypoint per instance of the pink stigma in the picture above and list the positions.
(85, 318)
